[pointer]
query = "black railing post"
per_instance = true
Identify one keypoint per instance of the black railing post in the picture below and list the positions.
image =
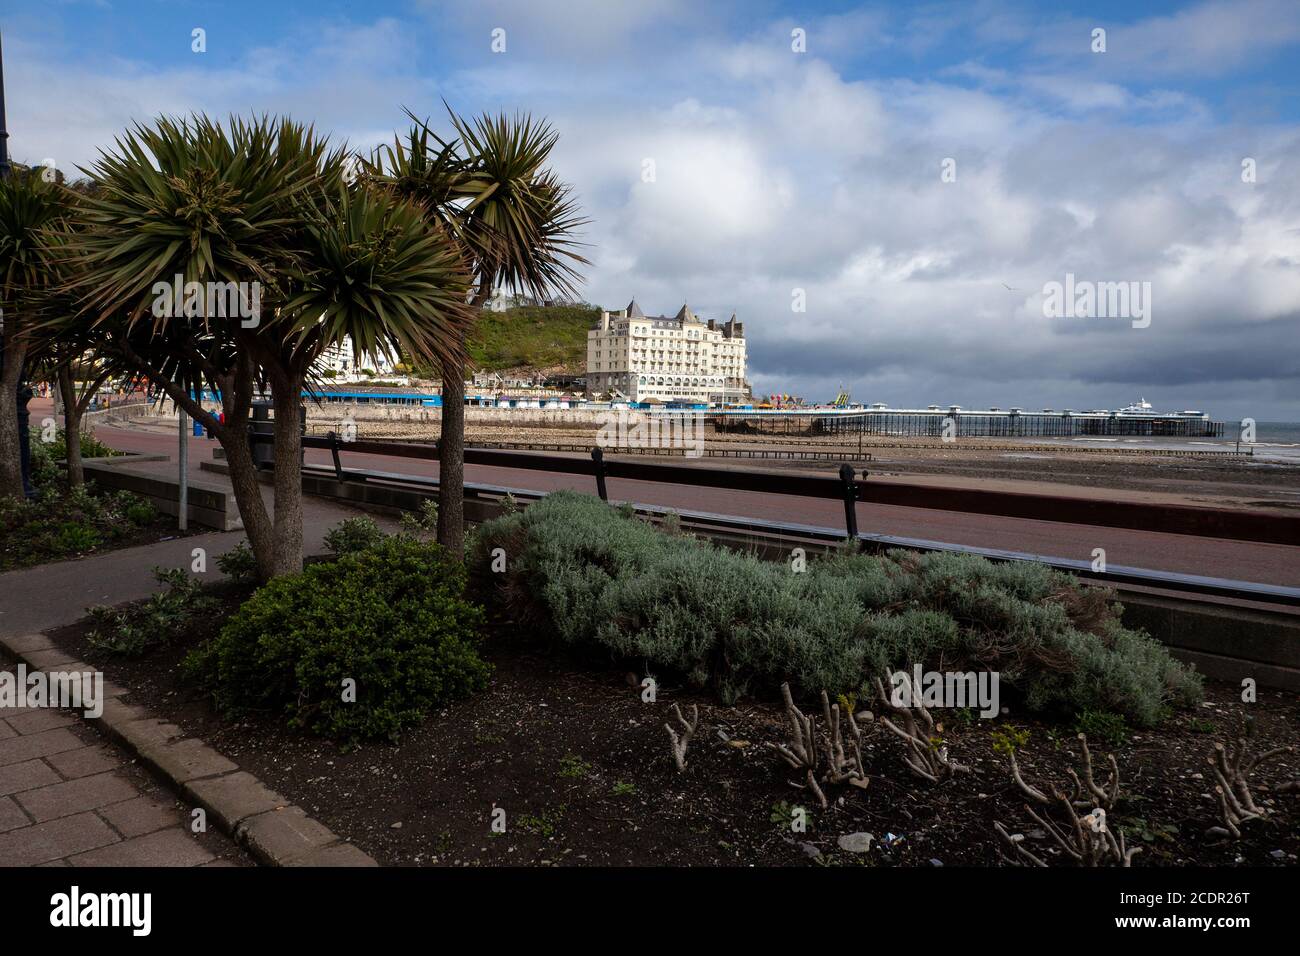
(334, 451)
(850, 500)
(598, 464)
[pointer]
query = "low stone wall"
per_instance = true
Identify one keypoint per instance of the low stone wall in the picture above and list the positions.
(210, 504)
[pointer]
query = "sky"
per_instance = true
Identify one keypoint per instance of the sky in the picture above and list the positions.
(882, 193)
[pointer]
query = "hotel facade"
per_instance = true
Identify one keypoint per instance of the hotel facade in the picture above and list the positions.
(639, 358)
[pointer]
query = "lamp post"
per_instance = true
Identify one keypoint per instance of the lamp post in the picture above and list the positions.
(4, 130)
(24, 391)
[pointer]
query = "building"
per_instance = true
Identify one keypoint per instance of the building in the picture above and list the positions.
(638, 357)
(347, 366)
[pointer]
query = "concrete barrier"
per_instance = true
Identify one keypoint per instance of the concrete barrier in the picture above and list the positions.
(210, 505)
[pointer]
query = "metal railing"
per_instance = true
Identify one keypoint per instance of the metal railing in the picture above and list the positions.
(850, 490)
(1225, 523)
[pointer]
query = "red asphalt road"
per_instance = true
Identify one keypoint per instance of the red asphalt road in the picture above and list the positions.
(1239, 560)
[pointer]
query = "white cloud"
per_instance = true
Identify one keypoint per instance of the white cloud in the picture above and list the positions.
(776, 171)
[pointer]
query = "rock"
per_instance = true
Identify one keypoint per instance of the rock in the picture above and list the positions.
(934, 862)
(395, 826)
(1278, 854)
(1037, 834)
(810, 851)
(855, 842)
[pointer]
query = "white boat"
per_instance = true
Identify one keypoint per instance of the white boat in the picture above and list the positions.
(1140, 407)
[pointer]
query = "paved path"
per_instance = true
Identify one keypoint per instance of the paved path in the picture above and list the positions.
(52, 595)
(68, 798)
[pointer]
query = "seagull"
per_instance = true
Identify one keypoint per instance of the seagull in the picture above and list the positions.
(1008, 288)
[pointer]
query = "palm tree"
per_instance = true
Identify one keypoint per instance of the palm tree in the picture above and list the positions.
(64, 351)
(66, 357)
(31, 205)
(267, 202)
(372, 269)
(514, 223)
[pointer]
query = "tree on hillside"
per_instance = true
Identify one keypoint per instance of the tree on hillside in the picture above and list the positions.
(514, 223)
(265, 205)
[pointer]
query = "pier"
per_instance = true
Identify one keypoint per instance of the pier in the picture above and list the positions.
(954, 422)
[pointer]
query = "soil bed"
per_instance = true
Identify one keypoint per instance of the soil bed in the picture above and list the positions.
(16, 552)
(582, 768)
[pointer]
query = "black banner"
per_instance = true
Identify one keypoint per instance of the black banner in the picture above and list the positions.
(333, 906)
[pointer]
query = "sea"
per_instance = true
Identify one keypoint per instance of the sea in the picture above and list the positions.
(1275, 442)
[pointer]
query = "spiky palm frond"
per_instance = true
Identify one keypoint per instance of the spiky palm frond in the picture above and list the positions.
(376, 270)
(492, 191)
(519, 220)
(30, 209)
(193, 198)
(424, 169)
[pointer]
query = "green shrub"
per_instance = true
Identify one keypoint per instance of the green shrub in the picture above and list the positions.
(45, 471)
(60, 523)
(57, 449)
(74, 538)
(587, 575)
(141, 513)
(1008, 739)
(239, 564)
(1100, 725)
(158, 621)
(422, 522)
(354, 534)
(392, 618)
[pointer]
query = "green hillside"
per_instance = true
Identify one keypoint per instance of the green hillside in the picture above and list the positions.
(533, 337)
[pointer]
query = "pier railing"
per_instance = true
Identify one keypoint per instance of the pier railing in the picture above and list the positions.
(963, 424)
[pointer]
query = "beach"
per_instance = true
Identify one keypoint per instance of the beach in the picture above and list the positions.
(1266, 475)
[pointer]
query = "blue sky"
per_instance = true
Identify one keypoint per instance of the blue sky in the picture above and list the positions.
(817, 171)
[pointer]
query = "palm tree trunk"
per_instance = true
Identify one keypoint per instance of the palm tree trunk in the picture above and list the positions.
(11, 465)
(286, 396)
(248, 492)
(451, 446)
(236, 388)
(71, 427)
(451, 459)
